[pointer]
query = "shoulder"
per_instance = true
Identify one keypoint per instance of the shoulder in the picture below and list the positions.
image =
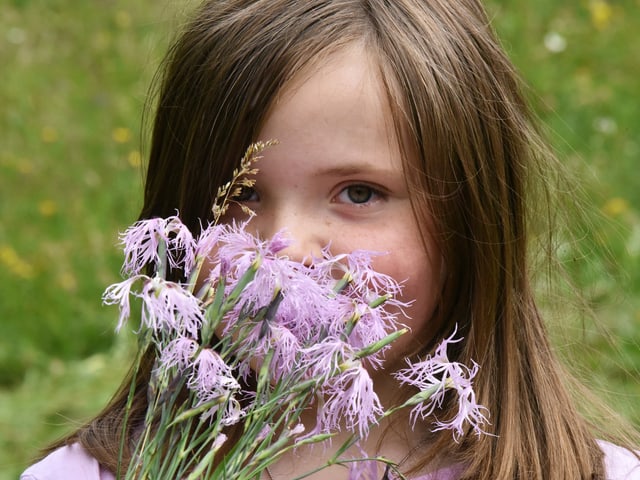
(70, 462)
(452, 472)
(620, 463)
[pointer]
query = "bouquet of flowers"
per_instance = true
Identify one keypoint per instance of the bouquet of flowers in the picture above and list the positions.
(249, 339)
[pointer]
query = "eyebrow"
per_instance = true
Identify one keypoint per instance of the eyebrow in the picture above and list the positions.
(353, 169)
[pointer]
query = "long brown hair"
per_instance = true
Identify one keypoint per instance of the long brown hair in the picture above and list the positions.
(471, 151)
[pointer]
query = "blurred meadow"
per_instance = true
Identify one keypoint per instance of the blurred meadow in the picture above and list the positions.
(74, 79)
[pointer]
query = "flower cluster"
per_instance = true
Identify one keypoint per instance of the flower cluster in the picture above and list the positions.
(303, 334)
(320, 317)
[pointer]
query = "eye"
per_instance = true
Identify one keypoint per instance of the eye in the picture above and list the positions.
(246, 194)
(358, 194)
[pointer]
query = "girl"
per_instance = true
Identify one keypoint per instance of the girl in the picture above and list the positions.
(401, 128)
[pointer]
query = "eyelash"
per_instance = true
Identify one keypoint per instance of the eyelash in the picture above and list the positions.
(373, 194)
(249, 194)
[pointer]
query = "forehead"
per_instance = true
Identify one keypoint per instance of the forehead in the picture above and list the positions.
(333, 106)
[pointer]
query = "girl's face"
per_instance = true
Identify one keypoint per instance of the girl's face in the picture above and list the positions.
(336, 177)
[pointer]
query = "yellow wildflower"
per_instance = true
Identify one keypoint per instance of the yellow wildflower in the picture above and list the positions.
(601, 13)
(123, 19)
(121, 135)
(12, 261)
(49, 134)
(615, 206)
(134, 158)
(47, 208)
(25, 166)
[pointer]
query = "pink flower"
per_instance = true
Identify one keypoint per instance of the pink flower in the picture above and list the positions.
(120, 294)
(142, 245)
(434, 376)
(286, 349)
(212, 380)
(181, 245)
(367, 281)
(232, 412)
(322, 360)
(349, 399)
(469, 411)
(277, 243)
(211, 377)
(141, 242)
(179, 353)
(372, 326)
(207, 240)
(166, 306)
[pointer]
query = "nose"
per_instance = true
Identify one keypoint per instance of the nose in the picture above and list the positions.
(306, 233)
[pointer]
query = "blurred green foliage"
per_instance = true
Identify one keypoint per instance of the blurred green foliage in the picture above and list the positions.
(74, 84)
(579, 59)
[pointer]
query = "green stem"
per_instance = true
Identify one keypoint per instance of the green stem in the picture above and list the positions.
(162, 254)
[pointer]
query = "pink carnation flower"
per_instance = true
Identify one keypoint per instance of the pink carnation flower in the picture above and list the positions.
(436, 375)
(142, 242)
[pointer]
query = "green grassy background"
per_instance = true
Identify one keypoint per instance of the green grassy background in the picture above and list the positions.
(73, 83)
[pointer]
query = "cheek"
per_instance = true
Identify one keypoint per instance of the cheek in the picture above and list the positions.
(422, 281)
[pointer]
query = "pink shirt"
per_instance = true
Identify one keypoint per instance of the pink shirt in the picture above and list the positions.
(73, 463)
